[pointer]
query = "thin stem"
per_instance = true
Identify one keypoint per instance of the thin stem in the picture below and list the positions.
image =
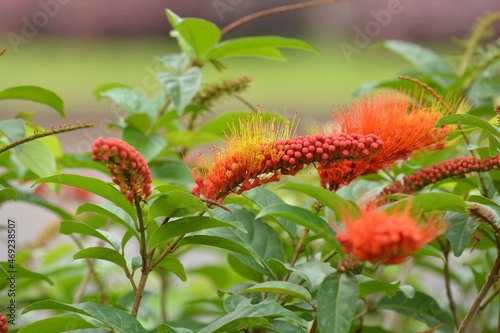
(163, 293)
(139, 292)
(93, 272)
(314, 325)
(474, 39)
(272, 11)
(488, 300)
(41, 135)
(170, 248)
(432, 329)
(492, 278)
(3, 51)
(477, 72)
(244, 101)
(298, 249)
(445, 247)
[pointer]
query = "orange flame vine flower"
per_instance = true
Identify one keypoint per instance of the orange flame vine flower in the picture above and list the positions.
(403, 123)
(388, 238)
(260, 150)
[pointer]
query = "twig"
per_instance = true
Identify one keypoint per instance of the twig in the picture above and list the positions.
(314, 325)
(298, 249)
(432, 329)
(272, 11)
(244, 101)
(218, 204)
(445, 247)
(3, 51)
(41, 135)
(492, 278)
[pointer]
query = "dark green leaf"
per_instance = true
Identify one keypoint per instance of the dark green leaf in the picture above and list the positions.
(116, 213)
(494, 146)
(216, 241)
(70, 227)
(421, 307)
(250, 315)
(370, 286)
(337, 297)
(280, 287)
(467, 119)
(23, 273)
(186, 225)
(95, 186)
(181, 88)
(57, 324)
(460, 231)
(119, 320)
(313, 272)
(175, 266)
(148, 145)
(428, 202)
(175, 204)
(102, 253)
(35, 94)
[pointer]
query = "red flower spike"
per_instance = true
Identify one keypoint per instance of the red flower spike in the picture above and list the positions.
(388, 238)
(403, 126)
(127, 166)
(3, 324)
(454, 168)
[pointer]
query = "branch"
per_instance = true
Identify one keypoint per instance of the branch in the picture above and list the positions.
(272, 11)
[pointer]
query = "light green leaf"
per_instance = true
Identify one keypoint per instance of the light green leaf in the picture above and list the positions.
(102, 253)
(57, 324)
(109, 86)
(181, 88)
(313, 272)
(173, 18)
(70, 227)
(189, 138)
(428, 202)
(251, 46)
(23, 273)
(494, 146)
(148, 145)
(8, 191)
(119, 320)
(421, 307)
(139, 121)
(280, 287)
(132, 100)
(35, 94)
(37, 158)
(95, 186)
(13, 129)
(337, 297)
(467, 119)
(176, 203)
(200, 34)
(186, 225)
(176, 63)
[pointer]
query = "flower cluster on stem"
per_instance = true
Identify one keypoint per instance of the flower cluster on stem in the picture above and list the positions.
(209, 94)
(127, 166)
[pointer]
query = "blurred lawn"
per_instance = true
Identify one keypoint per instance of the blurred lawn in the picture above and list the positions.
(307, 83)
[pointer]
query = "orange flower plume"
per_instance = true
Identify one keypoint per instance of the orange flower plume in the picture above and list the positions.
(260, 150)
(404, 124)
(388, 238)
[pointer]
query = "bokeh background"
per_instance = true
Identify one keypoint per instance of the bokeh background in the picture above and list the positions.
(73, 46)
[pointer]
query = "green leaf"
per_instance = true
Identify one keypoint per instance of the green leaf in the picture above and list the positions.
(109, 86)
(181, 88)
(185, 225)
(148, 145)
(9, 191)
(176, 63)
(175, 204)
(300, 216)
(216, 241)
(370, 286)
(260, 239)
(119, 320)
(35, 94)
(70, 227)
(95, 186)
(337, 297)
(38, 158)
(116, 213)
(340, 206)
(57, 324)
(102, 253)
(427, 202)
(139, 121)
(426, 60)
(164, 328)
(280, 287)
(175, 266)
(13, 129)
(173, 18)
(132, 100)
(250, 315)
(421, 307)
(494, 146)
(23, 273)
(200, 34)
(313, 272)
(255, 46)
(460, 231)
(467, 119)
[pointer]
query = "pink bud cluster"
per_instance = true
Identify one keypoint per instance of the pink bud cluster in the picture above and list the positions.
(454, 168)
(126, 165)
(283, 157)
